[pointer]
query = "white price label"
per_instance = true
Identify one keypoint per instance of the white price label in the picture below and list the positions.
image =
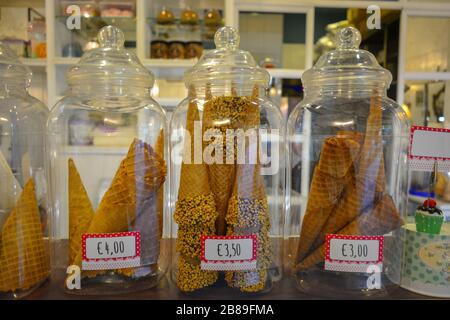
(111, 251)
(353, 253)
(429, 147)
(118, 247)
(228, 252)
(354, 250)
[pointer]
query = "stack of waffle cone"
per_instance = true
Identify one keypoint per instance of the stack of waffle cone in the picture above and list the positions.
(365, 189)
(140, 174)
(222, 114)
(363, 208)
(23, 254)
(133, 187)
(149, 223)
(381, 219)
(334, 169)
(195, 211)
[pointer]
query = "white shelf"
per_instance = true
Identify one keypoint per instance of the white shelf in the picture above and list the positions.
(95, 150)
(285, 73)
(427, 76)
(169, 63)
(65, 61)
(34, 62)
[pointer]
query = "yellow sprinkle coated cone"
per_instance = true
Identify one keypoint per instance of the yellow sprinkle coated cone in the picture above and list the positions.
(330, 175)
(383, 219)
(248, 214)
(80, 211)
(190, 277)
(159, 148)
(221, 114)
(195, 212)
(23, 255)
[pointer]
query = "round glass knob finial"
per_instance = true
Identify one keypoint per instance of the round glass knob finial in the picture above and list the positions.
(111, 36)
(226, 37)
(349, 38)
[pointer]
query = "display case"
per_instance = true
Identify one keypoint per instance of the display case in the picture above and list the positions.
(352, 141)
(107, 157)
(227, 180)
(24, 252)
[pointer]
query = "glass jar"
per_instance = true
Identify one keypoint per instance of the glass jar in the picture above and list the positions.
(108, 194)
(227, 185)
(348, 203)
(24, 254)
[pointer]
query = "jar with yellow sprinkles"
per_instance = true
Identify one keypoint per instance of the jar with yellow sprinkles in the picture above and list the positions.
(227, 181)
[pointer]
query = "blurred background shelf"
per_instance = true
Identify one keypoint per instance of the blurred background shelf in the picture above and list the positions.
(65, 61)
(169, 63)
(34, 62)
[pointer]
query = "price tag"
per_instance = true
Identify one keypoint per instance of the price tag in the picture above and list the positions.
(111, 251)
(223, 253)
(429, 146)
(353, 253)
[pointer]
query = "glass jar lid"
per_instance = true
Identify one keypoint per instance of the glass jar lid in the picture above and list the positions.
(11, 69)
(110, 63)
(227, 63)
(347, 65)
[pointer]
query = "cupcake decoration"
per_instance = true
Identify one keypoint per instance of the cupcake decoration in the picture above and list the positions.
(429, 218)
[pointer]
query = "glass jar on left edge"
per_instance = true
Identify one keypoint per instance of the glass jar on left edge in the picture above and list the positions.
(107, 154)
(24, 258)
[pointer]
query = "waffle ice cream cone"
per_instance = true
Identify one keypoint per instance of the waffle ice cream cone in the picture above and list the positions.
(364, 191)
(145, 172)
(371, 176)
(195, 212)
(149, 220)
(377, 221)
(135, 183)
(140, 174)
(23, 255)
(334, 169)
(80, 211)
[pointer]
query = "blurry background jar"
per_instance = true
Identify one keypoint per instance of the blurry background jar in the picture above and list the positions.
(37, 38)
(90, 45)
(24, 252)
(193, 50)
(72, 49)
(212, 18)
(176, 50)
(159, 49)
(165, 16)
(189, 17)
